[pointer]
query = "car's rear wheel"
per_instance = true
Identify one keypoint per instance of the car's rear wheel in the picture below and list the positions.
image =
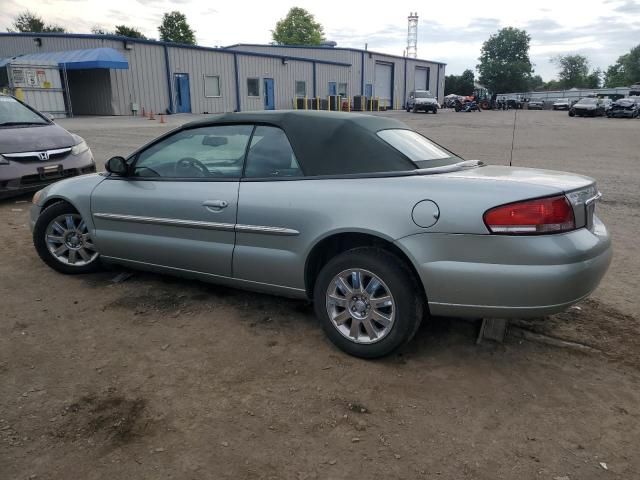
(368, 302)
(62, 239)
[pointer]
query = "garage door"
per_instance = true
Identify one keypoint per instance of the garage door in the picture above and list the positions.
(422, 78)
(383, 84)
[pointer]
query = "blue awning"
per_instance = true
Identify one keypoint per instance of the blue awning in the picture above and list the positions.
(76, 59)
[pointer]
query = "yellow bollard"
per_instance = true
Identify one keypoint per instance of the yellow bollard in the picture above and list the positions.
(317, 103)
(378, 106)
(19, 94)
(348, 104)
(295, 103)
(329, 102)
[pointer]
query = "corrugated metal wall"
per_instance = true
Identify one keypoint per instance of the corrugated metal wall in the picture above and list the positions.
(198, 63)
(354, 57)
(145, 82)
(284, 78)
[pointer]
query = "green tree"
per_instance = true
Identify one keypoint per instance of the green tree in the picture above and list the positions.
(574, 70)
(459, 84)
(536, 83)
(594, 79)
(299, 27)
(131, 32)
(504, 61)
(626, 70)
(30, 22)
(174, 28)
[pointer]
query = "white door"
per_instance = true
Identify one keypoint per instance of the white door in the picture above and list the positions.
(383, 84)
(422, 78)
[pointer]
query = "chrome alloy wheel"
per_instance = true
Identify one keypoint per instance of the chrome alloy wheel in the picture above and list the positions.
(360, 306)
(68, 240)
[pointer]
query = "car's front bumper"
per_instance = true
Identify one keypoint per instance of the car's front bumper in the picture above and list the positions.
(622, 113)
(508, 276)
(585, 112)
(22, 177)
(429, 107)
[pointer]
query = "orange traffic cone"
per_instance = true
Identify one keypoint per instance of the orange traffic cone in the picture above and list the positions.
(151, 117)
(162, 118)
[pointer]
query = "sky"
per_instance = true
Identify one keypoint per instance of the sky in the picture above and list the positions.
(602, 30)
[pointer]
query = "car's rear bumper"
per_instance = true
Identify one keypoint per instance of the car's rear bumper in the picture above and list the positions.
(508, 276)
(17, 178)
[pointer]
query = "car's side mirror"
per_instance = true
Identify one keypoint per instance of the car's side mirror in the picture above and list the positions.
(49, 116)
(117, 166)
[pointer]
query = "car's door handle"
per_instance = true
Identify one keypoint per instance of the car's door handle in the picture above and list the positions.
(215, 205)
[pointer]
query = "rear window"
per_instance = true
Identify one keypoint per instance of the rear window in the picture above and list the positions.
(13, 112)
(420, 150)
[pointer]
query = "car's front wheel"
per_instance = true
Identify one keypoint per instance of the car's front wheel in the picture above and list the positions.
(368, 302)
(62, 239)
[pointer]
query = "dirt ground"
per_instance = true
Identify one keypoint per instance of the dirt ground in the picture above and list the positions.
(154, 377)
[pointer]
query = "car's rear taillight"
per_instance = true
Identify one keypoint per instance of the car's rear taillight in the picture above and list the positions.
(542, 215)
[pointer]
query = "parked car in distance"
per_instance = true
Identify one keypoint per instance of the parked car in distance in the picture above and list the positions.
(34, 151)
(624, 108)
(377, 224)
(587, 107)
(514, 101)
(562, 104)
(535, 105)
(421, 100)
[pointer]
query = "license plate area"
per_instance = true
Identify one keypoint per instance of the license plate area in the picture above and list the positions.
(50, 171)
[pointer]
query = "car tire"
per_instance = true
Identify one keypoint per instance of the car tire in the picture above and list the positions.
(415, 109)
(72, 234)
(435, 110)
(393, 279)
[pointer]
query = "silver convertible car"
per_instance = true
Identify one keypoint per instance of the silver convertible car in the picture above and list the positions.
(377, 224)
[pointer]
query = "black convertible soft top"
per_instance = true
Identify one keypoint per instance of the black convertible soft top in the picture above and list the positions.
(329, 143)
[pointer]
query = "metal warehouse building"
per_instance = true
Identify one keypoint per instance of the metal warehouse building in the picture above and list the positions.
(112, 75)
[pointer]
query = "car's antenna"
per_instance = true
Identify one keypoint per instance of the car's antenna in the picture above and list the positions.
(513, 135)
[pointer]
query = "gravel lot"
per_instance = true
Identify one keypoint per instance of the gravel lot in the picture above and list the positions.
(155, 377)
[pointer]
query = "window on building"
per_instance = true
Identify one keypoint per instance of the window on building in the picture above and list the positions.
(342, 89)
(211, 86)
(253, 87)
(301, 88)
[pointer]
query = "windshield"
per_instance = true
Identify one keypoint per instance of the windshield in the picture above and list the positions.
(562, 100)
(423, 95)
(588, 101)
(420, 150)
(13, 112)
(625, 101)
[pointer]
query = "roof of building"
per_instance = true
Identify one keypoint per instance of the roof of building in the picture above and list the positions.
(75, 59)
(173, 45)
(329, 143)
(328, 47)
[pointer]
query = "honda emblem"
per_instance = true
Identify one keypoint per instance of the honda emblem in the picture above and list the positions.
(43, 155)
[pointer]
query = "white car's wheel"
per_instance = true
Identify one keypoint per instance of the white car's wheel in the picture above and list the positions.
(368, 302)
(62, 239)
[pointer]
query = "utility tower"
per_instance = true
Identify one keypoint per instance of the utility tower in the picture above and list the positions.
(412, 35)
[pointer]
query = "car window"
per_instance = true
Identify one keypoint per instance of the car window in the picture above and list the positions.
(12, 112)
(206, 152)
(417, 148)
(271, 155)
